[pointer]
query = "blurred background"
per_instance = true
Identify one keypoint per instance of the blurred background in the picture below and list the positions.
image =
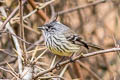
(97, 21)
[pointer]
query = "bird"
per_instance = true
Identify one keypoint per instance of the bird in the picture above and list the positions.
(62, 40)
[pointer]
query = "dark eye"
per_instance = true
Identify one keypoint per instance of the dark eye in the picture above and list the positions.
(49, 26)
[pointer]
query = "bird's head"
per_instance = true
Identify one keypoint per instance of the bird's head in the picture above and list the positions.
(52, 27)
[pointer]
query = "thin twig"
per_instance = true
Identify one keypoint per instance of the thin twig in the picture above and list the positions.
(27, 73)
(95, 76)
(15, 40)
(12, 69)
(78, 71)
(31, 51)
(53, 61)
(18, 54)
(33, 54)
(82, 6)
(39, 9)
(16, 20)
(22, 32)
(37, 42)
(63, 71)
(53, 14)
(49, 77)
(9, 71)
(40, 12)
(39, 56)
(79, 57)
(11, 61)
(6, 52)
(11, 15)
(21, 38)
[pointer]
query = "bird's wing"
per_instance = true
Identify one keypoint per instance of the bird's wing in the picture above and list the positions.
(74, 38)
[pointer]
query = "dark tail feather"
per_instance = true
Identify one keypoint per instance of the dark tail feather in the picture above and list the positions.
(95, 46)
(84, 44)
(87, 45)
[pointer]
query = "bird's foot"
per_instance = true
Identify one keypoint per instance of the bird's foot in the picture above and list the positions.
(71, 60)
(81, 55)
(57, 66)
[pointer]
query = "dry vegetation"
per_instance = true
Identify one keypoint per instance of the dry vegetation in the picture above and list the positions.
(23, 54)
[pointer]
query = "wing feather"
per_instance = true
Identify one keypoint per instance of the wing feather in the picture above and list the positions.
(74, 38)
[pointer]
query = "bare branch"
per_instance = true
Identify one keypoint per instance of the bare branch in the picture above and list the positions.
(81, 6)
(15, 40)
(79, 57)
(11, 15)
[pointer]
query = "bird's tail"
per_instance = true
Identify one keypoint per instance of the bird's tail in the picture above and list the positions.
(87, 45)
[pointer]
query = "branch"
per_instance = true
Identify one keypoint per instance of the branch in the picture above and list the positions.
(7, 52)
(22, 32)
(82, 6)
(77, 58)
(95, 76)
(11, 15)
(12, 34)
(40, 12)
(15, 40)
(9, 71)
(10, 61)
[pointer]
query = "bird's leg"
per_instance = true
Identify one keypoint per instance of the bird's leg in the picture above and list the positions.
(57, 65)
(71, 58)
(81, 55)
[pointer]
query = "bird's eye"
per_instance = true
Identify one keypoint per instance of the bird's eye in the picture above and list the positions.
(49, 26)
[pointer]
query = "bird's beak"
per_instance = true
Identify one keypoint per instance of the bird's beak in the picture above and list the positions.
(41, 28)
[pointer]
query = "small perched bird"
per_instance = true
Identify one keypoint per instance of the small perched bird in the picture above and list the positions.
(61, 40)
